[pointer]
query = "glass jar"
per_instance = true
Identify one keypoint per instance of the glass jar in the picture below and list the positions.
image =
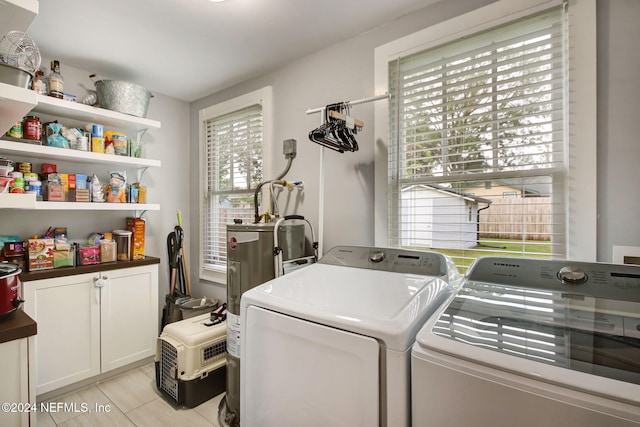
(32, 129)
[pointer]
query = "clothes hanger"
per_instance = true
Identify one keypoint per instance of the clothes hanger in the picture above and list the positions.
(325, 135)
(338, 130)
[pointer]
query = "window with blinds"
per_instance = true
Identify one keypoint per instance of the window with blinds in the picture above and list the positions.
(477, 154)
(233, 151)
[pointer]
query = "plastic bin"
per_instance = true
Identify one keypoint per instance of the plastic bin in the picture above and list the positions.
(191, 307)
(123, 243)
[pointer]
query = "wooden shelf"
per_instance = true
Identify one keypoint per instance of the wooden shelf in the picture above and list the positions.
(17, 15)
(17, 201)
(88, 114)
(88, 206)
(28, 201)
(15, 103)
(43, 152)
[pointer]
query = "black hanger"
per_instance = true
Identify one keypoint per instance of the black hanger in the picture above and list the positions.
(334, 132)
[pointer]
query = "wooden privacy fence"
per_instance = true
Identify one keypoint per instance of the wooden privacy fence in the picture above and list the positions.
(518, 218)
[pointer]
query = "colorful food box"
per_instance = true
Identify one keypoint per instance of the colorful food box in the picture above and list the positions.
(14, 248)
(54, 192)
(40, 253)
(137, 228)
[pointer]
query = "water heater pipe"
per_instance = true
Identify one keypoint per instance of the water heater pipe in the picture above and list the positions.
(282, 174)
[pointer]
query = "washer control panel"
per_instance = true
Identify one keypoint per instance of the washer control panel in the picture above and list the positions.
(604, 280)
(390, 259)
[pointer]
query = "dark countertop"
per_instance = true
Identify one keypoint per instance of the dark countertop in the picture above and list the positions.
(82, 269)
(16, 326)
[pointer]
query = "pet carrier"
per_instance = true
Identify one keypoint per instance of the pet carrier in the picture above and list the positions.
(191, 357)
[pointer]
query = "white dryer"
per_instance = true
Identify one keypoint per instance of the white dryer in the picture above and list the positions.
(532, 343)
(329, 345)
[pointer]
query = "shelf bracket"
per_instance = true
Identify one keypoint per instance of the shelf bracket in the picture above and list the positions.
(141, 172)
(139, 135)
(140, 214)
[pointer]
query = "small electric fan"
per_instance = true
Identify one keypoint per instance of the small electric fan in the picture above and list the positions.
(19, 50)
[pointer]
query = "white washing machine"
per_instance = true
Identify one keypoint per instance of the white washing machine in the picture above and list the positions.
(532, 343)
(329, 344)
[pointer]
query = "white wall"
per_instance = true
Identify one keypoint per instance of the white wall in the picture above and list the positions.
(341, 72)
(618, 111)
(345, 72)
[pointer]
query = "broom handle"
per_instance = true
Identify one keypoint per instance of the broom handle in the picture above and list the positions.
(184, 258)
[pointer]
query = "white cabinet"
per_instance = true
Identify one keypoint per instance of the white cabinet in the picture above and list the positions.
(16, 370)
(129, 316)
(91, 323)
(15, 381)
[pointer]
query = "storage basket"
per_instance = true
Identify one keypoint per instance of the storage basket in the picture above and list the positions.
(123, 97)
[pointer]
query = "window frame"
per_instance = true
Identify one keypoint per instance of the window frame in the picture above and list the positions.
(261, 97)
(580, 200)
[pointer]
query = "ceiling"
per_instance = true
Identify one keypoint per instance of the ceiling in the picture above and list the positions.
(188, 49)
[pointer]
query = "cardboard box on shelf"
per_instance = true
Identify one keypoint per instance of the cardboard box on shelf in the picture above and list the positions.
(82, 195)
(14, 249)
(71, 193)
(53, 192)
(40, 254)
(81, 182)
(64, 178)
(137, 228)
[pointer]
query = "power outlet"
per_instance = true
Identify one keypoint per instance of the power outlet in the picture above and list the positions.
(289, 148)
(626, 254)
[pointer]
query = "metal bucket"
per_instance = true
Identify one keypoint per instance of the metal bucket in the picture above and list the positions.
(123, 97)
(15, 76)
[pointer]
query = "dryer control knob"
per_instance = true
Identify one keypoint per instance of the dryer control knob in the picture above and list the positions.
(376, 256)
(572, 276)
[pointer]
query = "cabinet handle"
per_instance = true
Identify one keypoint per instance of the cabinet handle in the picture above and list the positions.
(99, 283)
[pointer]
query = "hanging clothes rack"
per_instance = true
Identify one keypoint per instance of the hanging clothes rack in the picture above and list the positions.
(356, 102)
(321, 189)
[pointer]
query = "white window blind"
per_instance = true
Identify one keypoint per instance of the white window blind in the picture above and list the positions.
(233, 151)
(478, 134)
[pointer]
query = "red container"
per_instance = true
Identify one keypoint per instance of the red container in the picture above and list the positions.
(9, 289)
(31, 128)
(49, 168)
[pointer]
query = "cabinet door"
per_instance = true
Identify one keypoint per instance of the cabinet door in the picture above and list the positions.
(67, 345)
(129, 316)
(15, 381)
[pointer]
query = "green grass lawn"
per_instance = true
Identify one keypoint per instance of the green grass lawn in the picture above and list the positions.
(498, 247)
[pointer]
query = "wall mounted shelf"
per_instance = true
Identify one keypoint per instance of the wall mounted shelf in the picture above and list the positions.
(43, 152)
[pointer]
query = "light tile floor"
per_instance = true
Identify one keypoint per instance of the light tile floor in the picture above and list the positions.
(133, 400)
